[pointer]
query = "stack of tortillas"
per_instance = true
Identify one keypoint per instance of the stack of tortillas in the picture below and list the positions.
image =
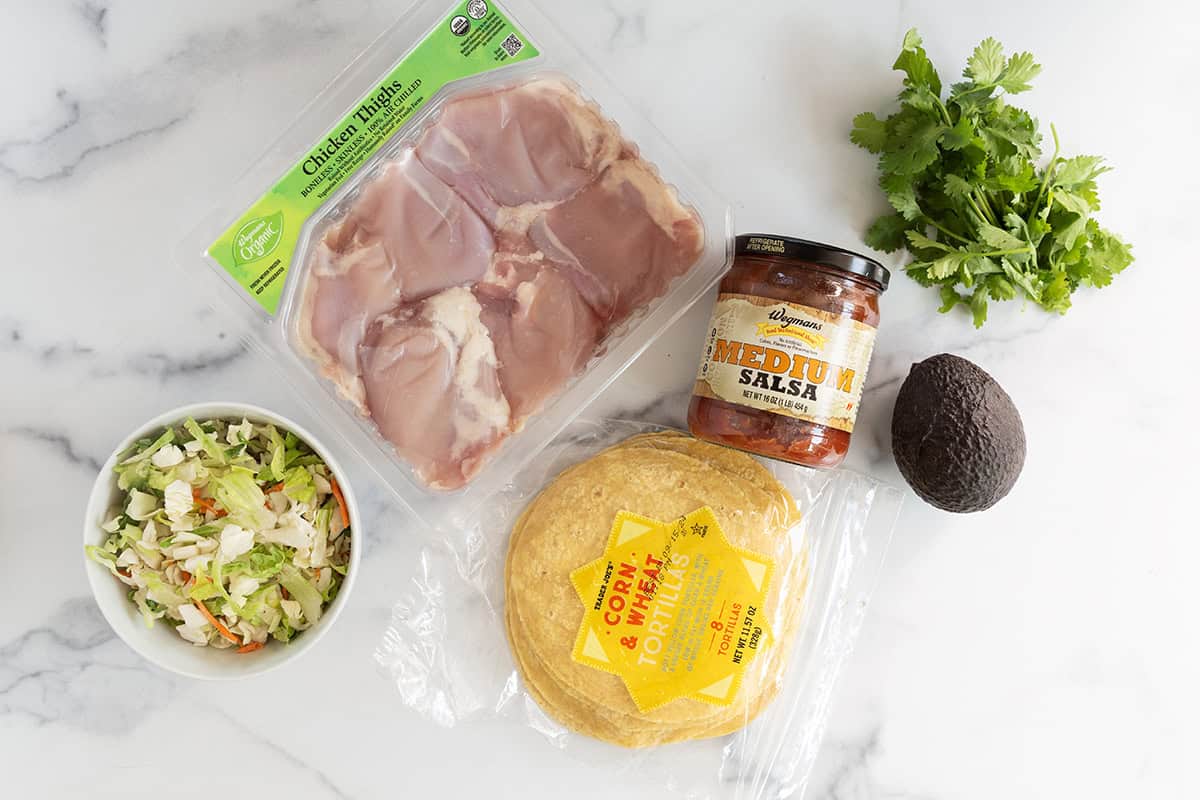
(662, 476)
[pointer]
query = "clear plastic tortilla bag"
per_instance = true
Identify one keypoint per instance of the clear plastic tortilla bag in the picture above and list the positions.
(448, 652)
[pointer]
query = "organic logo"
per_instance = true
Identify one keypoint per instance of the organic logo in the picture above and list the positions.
(257, 239)
(477, 9)
(460, 25)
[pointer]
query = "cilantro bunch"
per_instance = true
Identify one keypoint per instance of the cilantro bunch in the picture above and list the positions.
(981, 219)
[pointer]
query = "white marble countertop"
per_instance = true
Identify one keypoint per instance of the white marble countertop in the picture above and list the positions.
(1044, 649)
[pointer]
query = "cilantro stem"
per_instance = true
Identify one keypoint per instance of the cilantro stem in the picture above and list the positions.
(1045, 178)
(946, 230)
(971, 201)
(945, 113)
(988, 214)
(1018, 251)
(975, 87)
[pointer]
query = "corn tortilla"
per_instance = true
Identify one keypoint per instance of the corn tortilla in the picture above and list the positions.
(662, 476)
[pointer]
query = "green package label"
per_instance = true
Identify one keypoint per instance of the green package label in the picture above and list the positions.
(258, 249)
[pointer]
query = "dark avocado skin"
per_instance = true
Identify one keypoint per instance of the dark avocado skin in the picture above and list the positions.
(956, 435)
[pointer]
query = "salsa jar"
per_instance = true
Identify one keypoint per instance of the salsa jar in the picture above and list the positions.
(787, 349)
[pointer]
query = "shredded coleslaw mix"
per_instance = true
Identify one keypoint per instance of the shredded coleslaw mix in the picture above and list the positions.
(235, 533)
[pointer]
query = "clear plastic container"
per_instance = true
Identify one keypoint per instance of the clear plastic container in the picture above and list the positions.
(428, 31)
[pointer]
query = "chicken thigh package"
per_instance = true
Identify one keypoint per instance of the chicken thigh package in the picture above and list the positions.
(460, 244)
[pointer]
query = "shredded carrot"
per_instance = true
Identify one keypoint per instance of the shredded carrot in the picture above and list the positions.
(124, 573)
(284, 593)
(216, 623)
(207, 504)
(275, 488)
(341, 501)
(250, 648)
(187, 576)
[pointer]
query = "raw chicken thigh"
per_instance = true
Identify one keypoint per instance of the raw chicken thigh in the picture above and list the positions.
(406, 237)
(474, 276)
(345, 293)
(543, 335)
(648, 239)
(538, 142)
(430, 375)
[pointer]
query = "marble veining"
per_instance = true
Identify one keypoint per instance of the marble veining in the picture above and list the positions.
(321, 785)
(57, 153)
(72, 670)
(151, 363)
(95, 16)
(60, 443)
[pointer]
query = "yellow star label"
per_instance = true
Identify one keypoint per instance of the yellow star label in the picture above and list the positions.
(673, 609)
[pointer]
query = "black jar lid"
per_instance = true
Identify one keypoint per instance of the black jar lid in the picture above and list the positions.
(826, 255)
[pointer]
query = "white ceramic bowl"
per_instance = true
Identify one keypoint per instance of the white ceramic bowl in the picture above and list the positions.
(160, 644)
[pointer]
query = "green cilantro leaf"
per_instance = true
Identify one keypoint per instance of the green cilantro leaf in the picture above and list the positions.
(1108, 251)
(869, 132)
(1011, 131)
(1072, 173)
(1072, 202)
(986, 64)
(999, 288)
(1069, 235)
(979, 307)
(902, 194)
(983, 219)
(950, 298)
(921, 98)
(916, 150)
(920, 241)
(1056, 295)
(1020, 70)
(1001, 239)
(957, 186)
(960, 135)
(1014, 174)
(887, 233)
(914, 63)
(949, 264)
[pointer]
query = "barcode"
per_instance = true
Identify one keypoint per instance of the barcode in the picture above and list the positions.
(512, 45)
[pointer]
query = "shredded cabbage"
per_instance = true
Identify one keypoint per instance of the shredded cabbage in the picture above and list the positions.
(168, 456)
(238, 493)
(134, 476)
(149, 450)
(298, 485)
(302, 592)
(177, 500)
(273, 471)
(207, 442)
(263, 561)
(242, 432)
(235, 540)
(102, 557)
(230, 514)
(141, 506)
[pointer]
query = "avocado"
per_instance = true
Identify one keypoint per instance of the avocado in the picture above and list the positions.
(956, 435)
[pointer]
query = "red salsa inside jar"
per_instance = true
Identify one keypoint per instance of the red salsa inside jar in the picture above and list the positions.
(787, 349)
